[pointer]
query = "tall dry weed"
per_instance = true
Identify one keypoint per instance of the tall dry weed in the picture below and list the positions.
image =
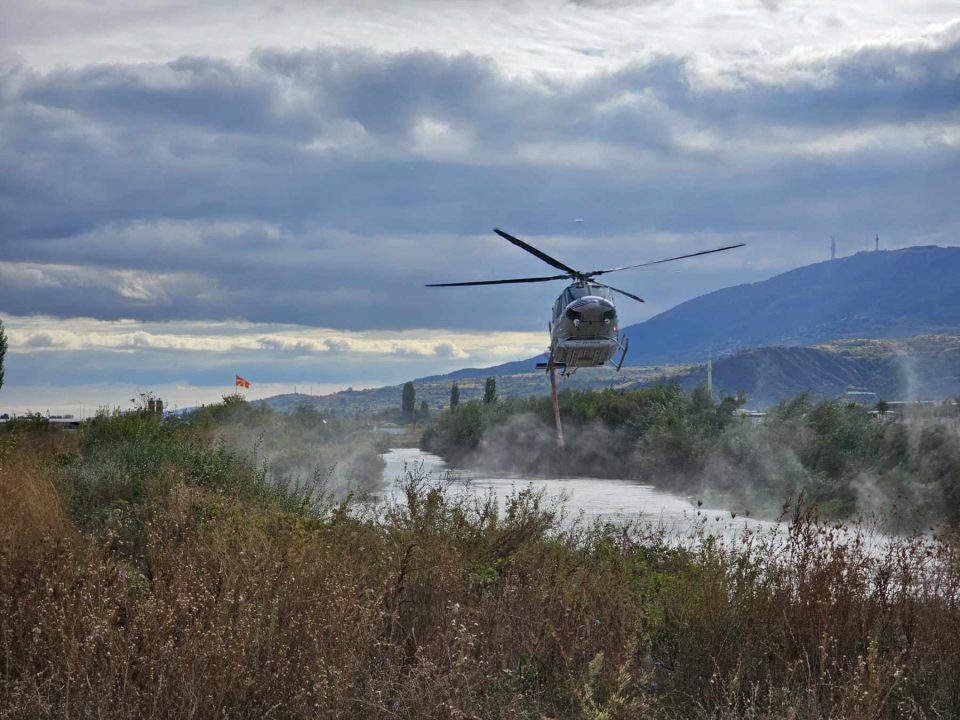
(32, 513)
(448, 605)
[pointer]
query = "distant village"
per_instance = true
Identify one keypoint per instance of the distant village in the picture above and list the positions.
(945, 412)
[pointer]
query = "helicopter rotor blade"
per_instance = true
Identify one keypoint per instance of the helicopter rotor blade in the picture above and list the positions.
(666, 260)
(500, 282)
(538, 253)
(618, 290)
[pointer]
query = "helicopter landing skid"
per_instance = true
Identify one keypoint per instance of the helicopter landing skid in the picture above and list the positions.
(562, 367)
(546, 366)
(623, 355)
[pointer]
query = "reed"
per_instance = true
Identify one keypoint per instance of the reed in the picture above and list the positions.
(213, 601)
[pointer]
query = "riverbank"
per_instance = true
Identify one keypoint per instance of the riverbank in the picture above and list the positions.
(849, 461)
(147, 570)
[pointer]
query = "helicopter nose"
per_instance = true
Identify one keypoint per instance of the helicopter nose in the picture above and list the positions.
(591, 309)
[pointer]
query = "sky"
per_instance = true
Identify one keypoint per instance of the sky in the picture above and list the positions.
(194, 190)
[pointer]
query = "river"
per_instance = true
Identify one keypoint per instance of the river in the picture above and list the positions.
(593, 497)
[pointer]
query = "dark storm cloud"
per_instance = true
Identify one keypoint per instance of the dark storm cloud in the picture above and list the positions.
(326, 187)
(868, 86)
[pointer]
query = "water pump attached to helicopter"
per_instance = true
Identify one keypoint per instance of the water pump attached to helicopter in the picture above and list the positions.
(583, 330)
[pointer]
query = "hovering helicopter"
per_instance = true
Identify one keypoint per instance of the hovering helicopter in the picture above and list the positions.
(583, 331)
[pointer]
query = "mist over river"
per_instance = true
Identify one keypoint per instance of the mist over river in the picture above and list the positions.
(592, 497)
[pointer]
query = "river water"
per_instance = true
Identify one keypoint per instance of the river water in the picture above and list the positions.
(592, 497)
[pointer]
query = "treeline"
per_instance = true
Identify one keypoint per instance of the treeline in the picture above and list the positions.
(840, 456)
(149, 569)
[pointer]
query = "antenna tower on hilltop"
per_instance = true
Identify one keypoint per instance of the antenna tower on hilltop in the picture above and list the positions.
(833, 248)
(876, 242)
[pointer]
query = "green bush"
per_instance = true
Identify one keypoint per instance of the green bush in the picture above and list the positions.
(837, 455)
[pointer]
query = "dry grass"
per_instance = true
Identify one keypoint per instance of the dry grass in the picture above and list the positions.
(210, 604)
(31, 515)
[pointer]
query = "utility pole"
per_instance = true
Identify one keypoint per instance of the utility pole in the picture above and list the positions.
(710, 372)
(833, 248)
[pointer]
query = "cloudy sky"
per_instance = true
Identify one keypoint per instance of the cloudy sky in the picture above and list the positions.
(193, 190)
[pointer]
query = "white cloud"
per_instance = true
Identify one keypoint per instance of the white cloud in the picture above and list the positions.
(141, 286)
(77, 352)
(47, 334)
(335, 344)
(527, 37)
(447, 350)
(19, 276)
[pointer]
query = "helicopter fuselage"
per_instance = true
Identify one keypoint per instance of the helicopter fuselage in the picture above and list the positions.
(583, 332)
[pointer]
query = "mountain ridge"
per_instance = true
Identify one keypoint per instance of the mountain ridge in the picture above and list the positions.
(918, 368)
(856, 296)
(863, 300)
(878, 294)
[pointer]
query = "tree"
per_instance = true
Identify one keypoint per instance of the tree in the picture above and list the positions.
(702, 408)
(3, 350)
(490, 391)
(454, 396)
(409, 402)
(424, 410)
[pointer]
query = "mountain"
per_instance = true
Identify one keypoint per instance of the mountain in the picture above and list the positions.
(882, 294)
(920, 368)
(824, 327)
(511, 368)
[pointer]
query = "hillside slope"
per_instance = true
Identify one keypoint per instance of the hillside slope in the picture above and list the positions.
(922, 368)
(918, 368)
(885, 294)
(763, 332)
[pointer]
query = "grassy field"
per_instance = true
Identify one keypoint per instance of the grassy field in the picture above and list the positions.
(149, 570)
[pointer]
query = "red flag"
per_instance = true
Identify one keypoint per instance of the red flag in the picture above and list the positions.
(240, 382)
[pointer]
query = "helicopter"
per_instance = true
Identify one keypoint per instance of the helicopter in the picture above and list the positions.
(583, 328)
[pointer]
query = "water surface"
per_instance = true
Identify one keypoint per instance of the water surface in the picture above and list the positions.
(593, 497)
